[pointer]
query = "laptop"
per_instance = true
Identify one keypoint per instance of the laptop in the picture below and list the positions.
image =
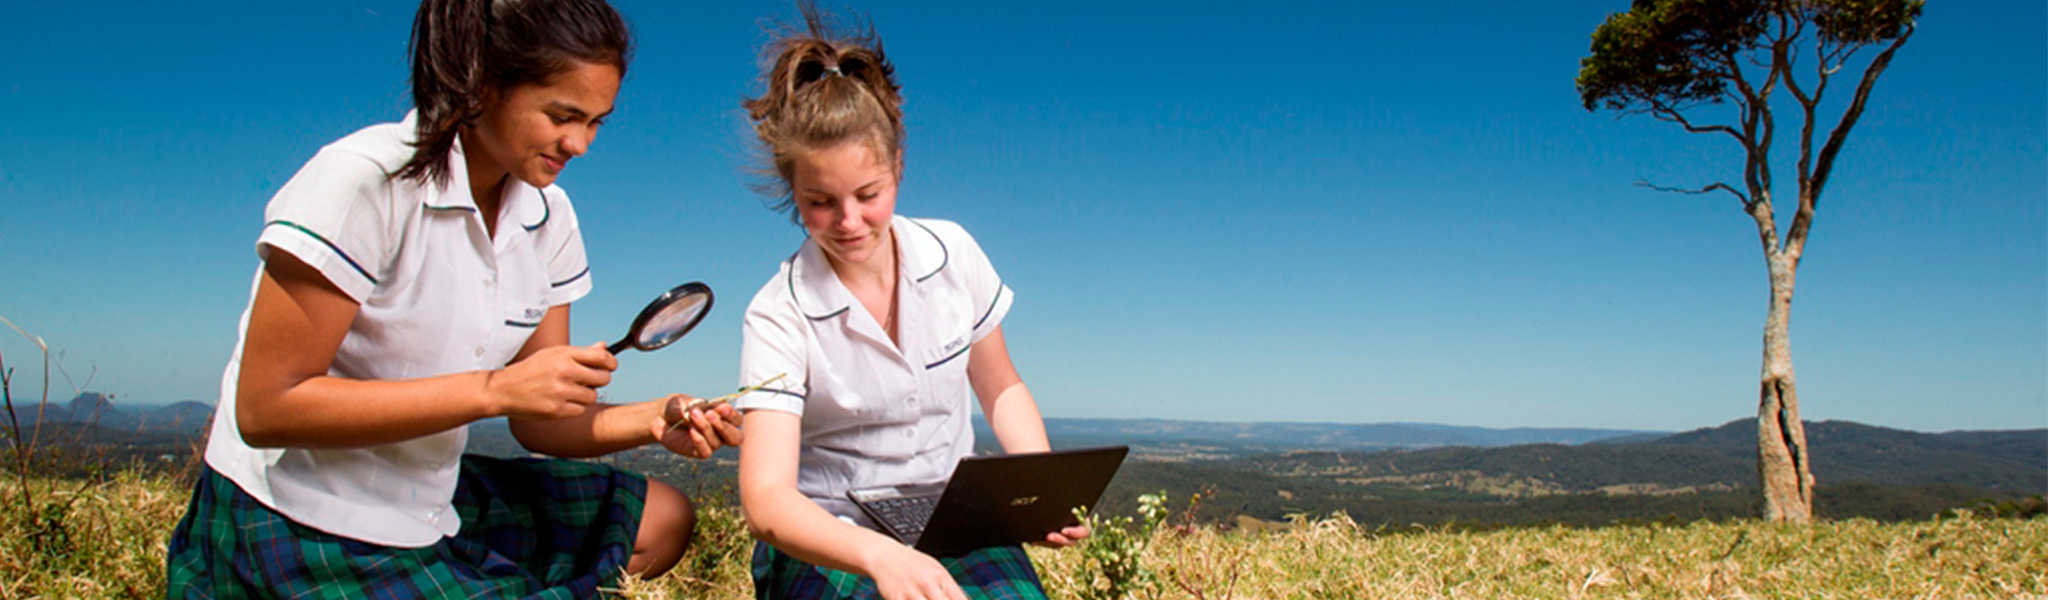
(994, 500)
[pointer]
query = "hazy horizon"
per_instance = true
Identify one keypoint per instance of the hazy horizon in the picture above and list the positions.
(117, 403)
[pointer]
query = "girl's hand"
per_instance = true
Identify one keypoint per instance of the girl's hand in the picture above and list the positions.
(696, 432)
(553, 383)
(902, 573)
(1066, 536)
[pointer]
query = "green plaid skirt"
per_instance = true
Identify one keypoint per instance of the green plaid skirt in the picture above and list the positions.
(992, 573)
(530, 529)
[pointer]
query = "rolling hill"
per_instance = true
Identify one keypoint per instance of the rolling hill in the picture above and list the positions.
(1385, 474)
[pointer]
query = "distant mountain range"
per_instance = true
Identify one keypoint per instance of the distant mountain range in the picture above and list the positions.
(98, 409)
(1721, 457)
(1844, 449)
(1862, 471)
(1152, 436)
(1387, 473)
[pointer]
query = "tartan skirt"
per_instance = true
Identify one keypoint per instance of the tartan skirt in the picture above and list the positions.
(992, 573)
(531, 528)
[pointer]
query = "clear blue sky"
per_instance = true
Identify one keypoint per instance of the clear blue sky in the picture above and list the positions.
(1224, 211)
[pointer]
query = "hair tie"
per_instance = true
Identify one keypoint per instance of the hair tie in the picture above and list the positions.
(834, 69)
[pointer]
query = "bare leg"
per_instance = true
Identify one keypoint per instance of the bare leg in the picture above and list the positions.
(667, 523)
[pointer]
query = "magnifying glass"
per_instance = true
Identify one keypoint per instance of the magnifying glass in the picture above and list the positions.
(667, 318)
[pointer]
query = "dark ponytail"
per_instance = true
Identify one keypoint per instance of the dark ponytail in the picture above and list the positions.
(824, 88)
(464, 51)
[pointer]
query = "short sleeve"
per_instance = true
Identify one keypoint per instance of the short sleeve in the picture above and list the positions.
(560, 241)
(773, 343)
(335, 215)
(985, 288)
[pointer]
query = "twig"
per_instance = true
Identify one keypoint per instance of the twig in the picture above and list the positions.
(710, 402)
(1709, 188)
(76, 389)
(23, 451)
(1743, 535)
(14, 430)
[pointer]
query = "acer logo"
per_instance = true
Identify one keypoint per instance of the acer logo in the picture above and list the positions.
(1023, 501)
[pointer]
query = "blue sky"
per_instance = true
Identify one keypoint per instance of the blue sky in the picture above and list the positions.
(1221, 211)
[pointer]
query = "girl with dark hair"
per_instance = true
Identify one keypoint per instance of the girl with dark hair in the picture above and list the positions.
(886, 327)
(417, 277)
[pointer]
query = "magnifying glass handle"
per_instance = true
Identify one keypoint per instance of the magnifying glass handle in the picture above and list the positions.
(619, 346)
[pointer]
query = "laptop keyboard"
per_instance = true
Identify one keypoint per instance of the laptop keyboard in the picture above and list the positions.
(906, 515)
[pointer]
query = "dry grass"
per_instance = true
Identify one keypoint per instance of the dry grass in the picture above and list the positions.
(1334, 558)
(92, 540)
(117, 530)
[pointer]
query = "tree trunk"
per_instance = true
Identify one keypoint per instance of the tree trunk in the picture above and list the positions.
(1780, 435)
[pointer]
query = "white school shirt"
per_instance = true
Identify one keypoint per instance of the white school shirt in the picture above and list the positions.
(874, 415)
(437, 295)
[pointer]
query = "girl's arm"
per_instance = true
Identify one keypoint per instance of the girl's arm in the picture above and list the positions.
(1011, 411)
(782, 517)
(1004, 398)
(608, 428)
(284, 396)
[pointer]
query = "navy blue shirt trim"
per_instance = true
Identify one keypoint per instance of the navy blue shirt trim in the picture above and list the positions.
(330, 245)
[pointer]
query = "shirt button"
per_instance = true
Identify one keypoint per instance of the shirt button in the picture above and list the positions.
(479, 351)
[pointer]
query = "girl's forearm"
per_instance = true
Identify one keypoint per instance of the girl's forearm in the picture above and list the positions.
(799, 527)
(334, 412)
(604, 429)
(1013, 414)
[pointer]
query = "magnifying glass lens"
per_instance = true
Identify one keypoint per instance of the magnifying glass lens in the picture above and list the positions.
(671, 322)
(667, 318)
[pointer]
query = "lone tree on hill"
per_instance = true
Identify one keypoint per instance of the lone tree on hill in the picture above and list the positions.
(1725, 58)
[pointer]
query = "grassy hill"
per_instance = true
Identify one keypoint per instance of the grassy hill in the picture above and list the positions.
(1863, 471)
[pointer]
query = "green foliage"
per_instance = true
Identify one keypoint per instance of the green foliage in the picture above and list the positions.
(721, 544)
(1864, 21)
(1666, 51)
(1112, 565)
(1678, 52)
(47, 531)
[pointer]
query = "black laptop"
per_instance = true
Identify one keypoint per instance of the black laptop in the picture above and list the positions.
(993, 500)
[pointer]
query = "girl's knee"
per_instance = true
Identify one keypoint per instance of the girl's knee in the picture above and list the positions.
(668, 522)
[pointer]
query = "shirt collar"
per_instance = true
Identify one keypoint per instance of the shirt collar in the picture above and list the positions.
(818, 292)
(528, 204)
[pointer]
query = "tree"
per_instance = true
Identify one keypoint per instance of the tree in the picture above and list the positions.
(1726, 58)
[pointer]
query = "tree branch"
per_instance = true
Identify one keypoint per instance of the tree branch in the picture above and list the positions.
(1807, 106)
(1784, 57)
(1834, 59)
(1756, 114)
(1809, 195)
(1709, 188)
(1665, 113)
(1766, 225)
